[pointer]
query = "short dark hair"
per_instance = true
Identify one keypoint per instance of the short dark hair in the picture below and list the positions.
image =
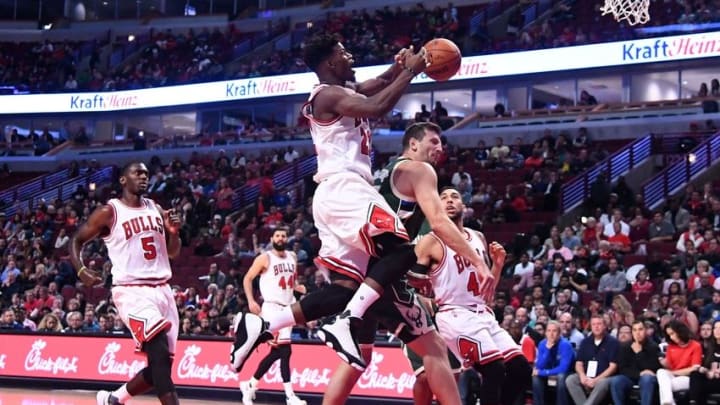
(446, 188)
(417, 131)
(318, 48)
(126, 169)
(281, 229)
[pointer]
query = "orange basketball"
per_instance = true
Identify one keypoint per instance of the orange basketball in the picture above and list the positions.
(444, 57)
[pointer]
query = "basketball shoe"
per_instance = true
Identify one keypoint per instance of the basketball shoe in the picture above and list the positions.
(248, 392)
(294, 400)
(106, 398)
(250, 330)
(341, 335)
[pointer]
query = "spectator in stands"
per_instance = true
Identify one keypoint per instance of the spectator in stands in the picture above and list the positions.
(660, 230)
(642, 284)
(569, 330)
(499, 152)
(617, 216)
(619, 242)
(458, 175)
(675, 278)
(587, 98)
(215, 276)
(8, 320)
(703, 91)
(706, 379)
(683, 356)
(637, 364)
(499, 110)
(614, 281)
(678, 216)
(596, 362)
(711, 311)
(555, 357)
(49, 323)
(558, 248)
(203, 247)
(680, 313)
(691, 235)
(74, 322)
(423, 115)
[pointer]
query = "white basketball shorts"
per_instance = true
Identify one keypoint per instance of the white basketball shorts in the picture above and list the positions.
(147, 310)
(348, 212)
(475, 337)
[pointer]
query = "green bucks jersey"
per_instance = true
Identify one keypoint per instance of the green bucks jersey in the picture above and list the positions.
(406, 208)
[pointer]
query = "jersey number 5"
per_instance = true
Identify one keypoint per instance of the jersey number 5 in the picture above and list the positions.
(285, 284)
(149, 249)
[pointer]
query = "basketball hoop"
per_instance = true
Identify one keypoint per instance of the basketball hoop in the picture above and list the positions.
(633, 11)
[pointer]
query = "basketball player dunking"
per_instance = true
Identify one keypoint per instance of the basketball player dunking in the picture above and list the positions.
(140, 238)
(464, 321)
(354, 222)
(277, 270)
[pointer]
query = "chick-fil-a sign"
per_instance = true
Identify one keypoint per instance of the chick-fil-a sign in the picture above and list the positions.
(197, 363)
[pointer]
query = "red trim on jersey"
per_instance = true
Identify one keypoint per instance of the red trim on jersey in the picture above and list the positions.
(341, 267)
(322, 123)
(367, 240)
(144, 204)
(493, 356)
(510, 354)
(159, 327)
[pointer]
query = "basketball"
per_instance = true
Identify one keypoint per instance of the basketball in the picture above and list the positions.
(444, 57)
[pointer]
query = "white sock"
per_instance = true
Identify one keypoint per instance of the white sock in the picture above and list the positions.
(280, 319)
(253, 382)
(289, 393)
(364, 297)
(122, 394)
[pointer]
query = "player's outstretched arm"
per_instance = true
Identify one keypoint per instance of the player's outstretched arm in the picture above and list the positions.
(259, 265)
(98, 223)
(345, 102)
(373, 86)
(429, 253)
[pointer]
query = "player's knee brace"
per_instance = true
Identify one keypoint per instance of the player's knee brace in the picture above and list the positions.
(284, 351)
(493, 375)
(393, 265)
(328, 301)
(160, 363)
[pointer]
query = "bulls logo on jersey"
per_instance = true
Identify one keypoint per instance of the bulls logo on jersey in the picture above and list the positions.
(142, 224)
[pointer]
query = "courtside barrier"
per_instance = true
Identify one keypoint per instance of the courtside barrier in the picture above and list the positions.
(198, 364)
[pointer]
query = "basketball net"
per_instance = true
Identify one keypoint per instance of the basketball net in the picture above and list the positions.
(633, 11)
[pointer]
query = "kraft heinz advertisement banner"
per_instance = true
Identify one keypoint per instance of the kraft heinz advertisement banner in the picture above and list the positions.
(674, 48)
(197, 363)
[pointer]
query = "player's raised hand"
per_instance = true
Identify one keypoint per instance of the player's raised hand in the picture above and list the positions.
(172, 220)
(497, 254)
(400, 56)
(417, 62)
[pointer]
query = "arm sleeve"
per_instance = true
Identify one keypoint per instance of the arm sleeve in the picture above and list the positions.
(566, 360)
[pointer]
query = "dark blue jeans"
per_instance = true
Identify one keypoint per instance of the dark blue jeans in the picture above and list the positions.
(621, 385)
(539, 384)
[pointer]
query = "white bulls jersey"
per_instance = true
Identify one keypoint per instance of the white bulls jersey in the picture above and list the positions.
(277, 282)
(136, 245)
(455, 280)
(342, 145)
